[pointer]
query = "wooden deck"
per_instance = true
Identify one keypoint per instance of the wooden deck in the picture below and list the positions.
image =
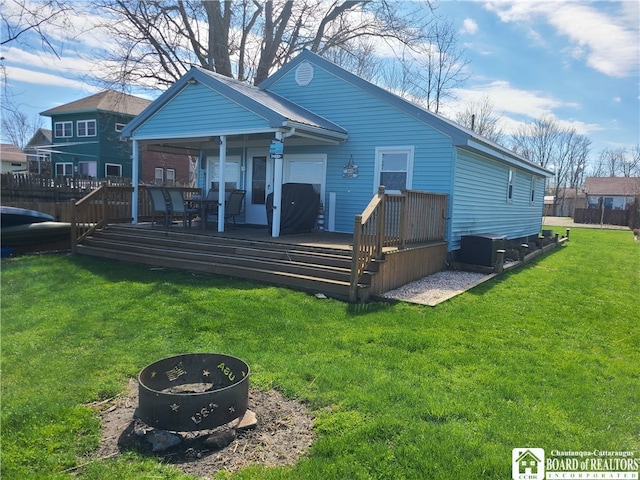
(318, 262)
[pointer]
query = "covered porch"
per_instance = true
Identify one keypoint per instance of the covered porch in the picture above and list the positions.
(244, 138)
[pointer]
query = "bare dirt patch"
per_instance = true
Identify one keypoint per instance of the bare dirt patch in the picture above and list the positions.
(283, 434)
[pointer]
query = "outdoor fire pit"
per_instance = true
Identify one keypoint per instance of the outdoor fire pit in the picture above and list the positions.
(198, 391)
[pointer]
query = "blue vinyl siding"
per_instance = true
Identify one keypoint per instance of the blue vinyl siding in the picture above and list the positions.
(198, 110)
(480, 204)
(371, 123)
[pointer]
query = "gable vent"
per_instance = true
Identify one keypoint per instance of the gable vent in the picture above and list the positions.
(304, 74)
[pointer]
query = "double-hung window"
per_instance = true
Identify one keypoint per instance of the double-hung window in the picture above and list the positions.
(63, 129)
(394, 168)
(510, 184)
(86, 128)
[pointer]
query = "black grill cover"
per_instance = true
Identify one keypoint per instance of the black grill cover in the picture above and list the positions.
(300, 205)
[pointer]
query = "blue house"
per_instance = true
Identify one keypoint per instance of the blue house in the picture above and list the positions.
(313, 122)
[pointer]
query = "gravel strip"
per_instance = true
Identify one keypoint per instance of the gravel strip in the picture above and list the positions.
(437, 288)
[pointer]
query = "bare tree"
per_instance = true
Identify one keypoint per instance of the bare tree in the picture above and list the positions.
(157, 42)
(537, 141)
(610, 163)
(17, 129)
(21, 17)
(480, 117)
(441, 66)
(559, 149)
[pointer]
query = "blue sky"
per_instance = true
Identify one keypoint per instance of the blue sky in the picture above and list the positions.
(575, 61)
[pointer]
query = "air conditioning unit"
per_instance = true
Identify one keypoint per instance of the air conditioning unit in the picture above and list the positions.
(480, 249)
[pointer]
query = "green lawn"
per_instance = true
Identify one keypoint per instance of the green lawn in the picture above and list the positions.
(546, 356)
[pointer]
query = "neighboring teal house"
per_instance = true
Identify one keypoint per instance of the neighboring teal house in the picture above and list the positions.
(86, 135)
(345, 136)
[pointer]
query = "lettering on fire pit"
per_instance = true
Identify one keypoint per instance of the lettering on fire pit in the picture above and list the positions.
(204, 413)
(227, 372)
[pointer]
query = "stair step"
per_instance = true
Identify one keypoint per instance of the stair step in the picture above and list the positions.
(315, 269)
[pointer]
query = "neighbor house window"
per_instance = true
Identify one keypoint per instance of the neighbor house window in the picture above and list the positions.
(158, 178)
(86, 128)
(120, 127)
(63, 129)
(88, 169)
(64, 169)
(512, 179)
(171, 176)
(394, 168)
(113, 170)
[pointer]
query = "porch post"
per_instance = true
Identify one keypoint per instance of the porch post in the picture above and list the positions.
(222, 182)
(134, 180)
(277, 191)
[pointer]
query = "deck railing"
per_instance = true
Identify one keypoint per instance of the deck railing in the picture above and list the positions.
(395, 220)
(109, 204)
(106, 204)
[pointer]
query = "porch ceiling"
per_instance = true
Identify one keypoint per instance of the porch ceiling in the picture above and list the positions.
(193, 145)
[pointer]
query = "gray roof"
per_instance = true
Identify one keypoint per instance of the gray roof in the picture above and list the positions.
(621, 186)
(108, 101)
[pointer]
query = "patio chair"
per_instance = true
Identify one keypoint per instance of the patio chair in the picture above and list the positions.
(234, 205)
(159, 203)
(179, 207)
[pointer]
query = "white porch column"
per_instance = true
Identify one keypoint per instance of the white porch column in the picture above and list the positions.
(134, 180)
(222, 182)
(277, 190)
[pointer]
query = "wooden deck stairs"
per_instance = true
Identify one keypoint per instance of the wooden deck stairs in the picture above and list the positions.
(314, 269)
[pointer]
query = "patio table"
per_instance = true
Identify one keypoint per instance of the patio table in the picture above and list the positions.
(205, 206)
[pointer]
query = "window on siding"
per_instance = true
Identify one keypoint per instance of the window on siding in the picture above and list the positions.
(64, 169)
(86, 128)
(510, 185)
(532, 198)
(120, 126)
(63, 129)
(394, 168)
(112, 170)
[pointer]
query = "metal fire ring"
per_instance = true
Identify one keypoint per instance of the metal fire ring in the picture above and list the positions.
(197, 391)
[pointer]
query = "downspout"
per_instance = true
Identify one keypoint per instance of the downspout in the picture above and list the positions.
(134, 180)
(277, 185)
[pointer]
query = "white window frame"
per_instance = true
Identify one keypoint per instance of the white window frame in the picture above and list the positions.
(67, 168)
(289, 171)
(158, 176)
(171, 176)
(83, 127)
(511, 183)
(64, 126)
(380, 152)
(110, 165)
(120, 126)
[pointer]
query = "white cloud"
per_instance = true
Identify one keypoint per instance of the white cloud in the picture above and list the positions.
(608, 41)
(18, 74)
(516, 107)
(469, 26)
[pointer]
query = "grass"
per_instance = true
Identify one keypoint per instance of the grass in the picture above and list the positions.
(546, 356)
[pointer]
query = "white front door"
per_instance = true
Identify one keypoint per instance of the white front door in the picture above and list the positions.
(259, 185)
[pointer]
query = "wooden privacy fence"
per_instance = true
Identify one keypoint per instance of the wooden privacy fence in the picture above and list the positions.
(395, 220)
(604, 216)
(21, 187)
